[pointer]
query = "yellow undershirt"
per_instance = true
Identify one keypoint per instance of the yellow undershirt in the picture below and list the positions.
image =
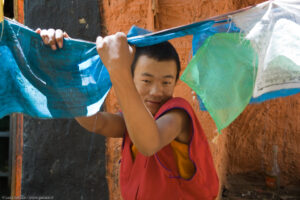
(185, 165)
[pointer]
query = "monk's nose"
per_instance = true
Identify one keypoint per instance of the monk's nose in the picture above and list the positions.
(156, 90)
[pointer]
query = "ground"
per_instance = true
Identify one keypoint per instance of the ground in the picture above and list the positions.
(252, 186)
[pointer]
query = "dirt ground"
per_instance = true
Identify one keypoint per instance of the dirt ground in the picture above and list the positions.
(253, 186)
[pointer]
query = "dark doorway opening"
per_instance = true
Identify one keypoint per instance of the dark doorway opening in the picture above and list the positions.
(4, 157)
(9, 8)
(5, 188)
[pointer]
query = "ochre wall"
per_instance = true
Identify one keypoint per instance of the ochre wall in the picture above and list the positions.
(246, 145)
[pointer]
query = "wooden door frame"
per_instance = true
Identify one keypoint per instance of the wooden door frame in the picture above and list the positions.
(16, 155)
(16, 129)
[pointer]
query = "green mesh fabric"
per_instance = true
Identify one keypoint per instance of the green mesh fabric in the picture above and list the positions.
(222, 73)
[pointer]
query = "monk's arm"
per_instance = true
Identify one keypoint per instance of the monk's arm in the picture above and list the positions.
(104, 123)
(147, 134)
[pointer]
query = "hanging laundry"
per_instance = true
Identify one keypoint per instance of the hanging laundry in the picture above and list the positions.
(273, 28)
(49, 84)
(73, 81)
(230, 27)
(222, 74)
(65, 83)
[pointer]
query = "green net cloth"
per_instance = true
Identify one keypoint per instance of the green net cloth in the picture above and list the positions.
(222, 73)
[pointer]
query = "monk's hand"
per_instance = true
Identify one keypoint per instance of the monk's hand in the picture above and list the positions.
(115, 52)
(54, 38)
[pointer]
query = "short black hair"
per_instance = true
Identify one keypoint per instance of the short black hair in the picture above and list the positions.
(161, 52)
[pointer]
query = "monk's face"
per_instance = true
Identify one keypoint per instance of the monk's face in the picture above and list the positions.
(155, 81)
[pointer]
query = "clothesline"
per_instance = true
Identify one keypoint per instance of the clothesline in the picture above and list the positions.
(218, 19)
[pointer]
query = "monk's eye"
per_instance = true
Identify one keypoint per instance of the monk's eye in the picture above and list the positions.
(146, 81)
(166, 82)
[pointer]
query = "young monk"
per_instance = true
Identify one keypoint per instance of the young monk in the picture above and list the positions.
(165, 153)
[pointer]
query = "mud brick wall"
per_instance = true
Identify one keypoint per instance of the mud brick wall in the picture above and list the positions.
(246, 145)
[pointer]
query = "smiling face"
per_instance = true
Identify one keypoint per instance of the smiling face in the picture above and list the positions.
(155, 81)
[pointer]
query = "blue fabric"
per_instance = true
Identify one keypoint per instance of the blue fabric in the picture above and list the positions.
(49, 84)
(135, 37)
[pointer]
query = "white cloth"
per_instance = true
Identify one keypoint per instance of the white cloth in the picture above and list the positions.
(273, 28)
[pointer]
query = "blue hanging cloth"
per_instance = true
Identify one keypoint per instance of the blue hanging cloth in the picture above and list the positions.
(65, 83)
(43, 83)
(141, 37)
